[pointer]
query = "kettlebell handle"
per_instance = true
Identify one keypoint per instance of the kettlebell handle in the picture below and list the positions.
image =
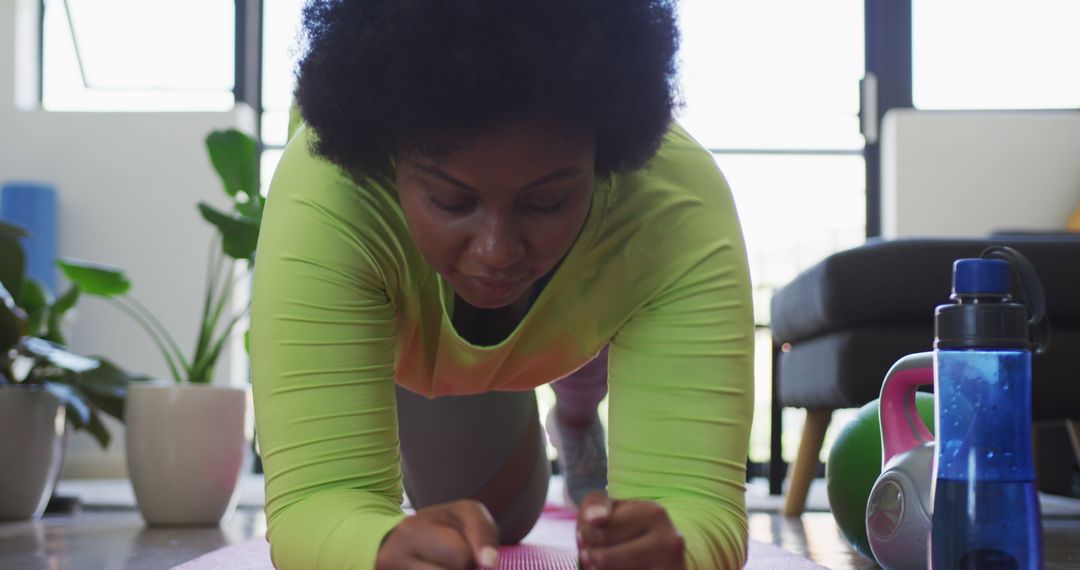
(902, 428)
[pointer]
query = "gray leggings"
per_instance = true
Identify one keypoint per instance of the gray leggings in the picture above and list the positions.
(488, 447)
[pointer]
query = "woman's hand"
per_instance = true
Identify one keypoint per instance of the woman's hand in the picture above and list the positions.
(627, 534)
(458, 535)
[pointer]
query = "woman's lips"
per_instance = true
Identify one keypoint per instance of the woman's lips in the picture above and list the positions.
(497, 288)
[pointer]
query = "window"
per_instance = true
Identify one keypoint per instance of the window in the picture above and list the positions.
(772, 88)
(775, 74)
(993, 54)
(281, 24)
(131, 55)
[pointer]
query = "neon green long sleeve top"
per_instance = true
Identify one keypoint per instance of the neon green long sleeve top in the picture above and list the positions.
(344, 306)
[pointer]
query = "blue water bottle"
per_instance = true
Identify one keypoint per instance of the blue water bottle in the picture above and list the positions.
(986, 506)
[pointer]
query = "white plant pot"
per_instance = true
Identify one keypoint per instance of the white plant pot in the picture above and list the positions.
(32, 425)
(186, 447)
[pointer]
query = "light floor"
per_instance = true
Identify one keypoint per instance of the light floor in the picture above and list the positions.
(815, 536)
(115, 538)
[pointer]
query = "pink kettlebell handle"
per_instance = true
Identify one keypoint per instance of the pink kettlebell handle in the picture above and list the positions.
(902, 427)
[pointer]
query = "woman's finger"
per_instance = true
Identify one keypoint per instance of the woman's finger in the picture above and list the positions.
(595, 509)
(628, 520)
(619, 529)
(477, 525)
(425, 565)
(442, 545)
(653, 550)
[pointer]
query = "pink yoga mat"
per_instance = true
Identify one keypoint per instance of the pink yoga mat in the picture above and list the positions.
(550, 546)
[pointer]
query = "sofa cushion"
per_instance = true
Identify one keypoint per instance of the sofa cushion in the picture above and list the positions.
(845, 369)
(900, 282)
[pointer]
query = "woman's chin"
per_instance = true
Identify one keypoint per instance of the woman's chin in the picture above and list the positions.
(487, 302)
(485, 295)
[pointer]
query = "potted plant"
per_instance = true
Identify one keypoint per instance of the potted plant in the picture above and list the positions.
(43, 387)
(187, 439)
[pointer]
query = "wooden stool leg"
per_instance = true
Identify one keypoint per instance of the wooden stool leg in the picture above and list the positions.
(1074, 435)
(806, 463)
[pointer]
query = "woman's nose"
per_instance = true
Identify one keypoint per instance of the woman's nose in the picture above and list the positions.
(498, 244)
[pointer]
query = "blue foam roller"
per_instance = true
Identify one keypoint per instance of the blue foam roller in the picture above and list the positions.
(32, 205)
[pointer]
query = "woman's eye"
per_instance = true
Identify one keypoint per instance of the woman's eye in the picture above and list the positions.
(454, 207)
(549, 208)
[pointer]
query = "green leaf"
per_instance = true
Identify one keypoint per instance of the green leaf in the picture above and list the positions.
(12, 322)
(97, 428)
(34, 294)
(12, 258)
(81, 411)
(239, 234)
(202, 371)
(66, 302)
(11, 230)
(252, 209)
(36, 322)
(55, 355)
(107, 387)
(95, 278)
(54, 332)
(235, 157)
(35, 301)
(78, 408)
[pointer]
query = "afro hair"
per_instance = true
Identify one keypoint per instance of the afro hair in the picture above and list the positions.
(377, 77)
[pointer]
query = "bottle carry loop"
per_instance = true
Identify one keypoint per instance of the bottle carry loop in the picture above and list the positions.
(1030, 293)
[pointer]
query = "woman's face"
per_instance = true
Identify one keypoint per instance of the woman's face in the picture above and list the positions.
(496, 215)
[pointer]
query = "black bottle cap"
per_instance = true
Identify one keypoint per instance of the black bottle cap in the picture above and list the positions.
(981, 325)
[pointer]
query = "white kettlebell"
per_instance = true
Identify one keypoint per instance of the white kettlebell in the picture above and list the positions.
(898, 512)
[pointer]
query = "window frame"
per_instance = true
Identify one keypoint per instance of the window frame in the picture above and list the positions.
(247, 65)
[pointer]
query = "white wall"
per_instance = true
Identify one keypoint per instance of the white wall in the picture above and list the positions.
(969, 173)
(127, 188)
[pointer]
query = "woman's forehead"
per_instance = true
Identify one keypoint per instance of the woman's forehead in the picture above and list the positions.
(526, 154)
